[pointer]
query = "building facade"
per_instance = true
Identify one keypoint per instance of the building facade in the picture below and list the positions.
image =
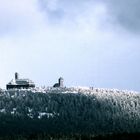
(60, 83)
(20, 83)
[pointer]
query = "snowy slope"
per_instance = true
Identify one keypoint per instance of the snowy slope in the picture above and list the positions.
(83, 110)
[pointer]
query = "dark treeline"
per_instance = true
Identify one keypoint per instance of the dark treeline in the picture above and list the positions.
(45, 136)
(27, 113)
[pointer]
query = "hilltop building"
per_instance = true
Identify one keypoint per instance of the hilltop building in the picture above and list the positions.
(60, 83)
(20, 83)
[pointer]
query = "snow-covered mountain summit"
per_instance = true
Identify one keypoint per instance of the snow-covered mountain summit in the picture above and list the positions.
(77, 109)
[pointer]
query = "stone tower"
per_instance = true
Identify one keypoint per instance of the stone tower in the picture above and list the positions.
(61, 82)
(16, 76)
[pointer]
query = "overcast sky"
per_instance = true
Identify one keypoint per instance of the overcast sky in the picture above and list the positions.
(87, 42)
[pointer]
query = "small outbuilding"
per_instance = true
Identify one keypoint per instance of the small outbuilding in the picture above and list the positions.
(20, 83)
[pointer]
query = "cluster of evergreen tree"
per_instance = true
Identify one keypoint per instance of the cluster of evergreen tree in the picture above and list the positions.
(69, 113)
(45, 136)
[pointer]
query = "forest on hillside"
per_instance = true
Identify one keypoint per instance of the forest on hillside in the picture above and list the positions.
(69, 112)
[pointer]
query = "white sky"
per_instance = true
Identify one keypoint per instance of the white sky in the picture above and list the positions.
(89, 43)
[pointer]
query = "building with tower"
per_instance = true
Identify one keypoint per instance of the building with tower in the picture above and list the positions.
(19, 83)
(60, 83)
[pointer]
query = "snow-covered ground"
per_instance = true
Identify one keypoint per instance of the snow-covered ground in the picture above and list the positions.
(78, 89)
(116, 109)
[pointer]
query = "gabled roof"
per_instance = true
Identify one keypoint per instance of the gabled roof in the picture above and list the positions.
(21, 82)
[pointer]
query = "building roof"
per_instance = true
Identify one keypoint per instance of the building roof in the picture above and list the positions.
(21, 82)
(61, 78)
